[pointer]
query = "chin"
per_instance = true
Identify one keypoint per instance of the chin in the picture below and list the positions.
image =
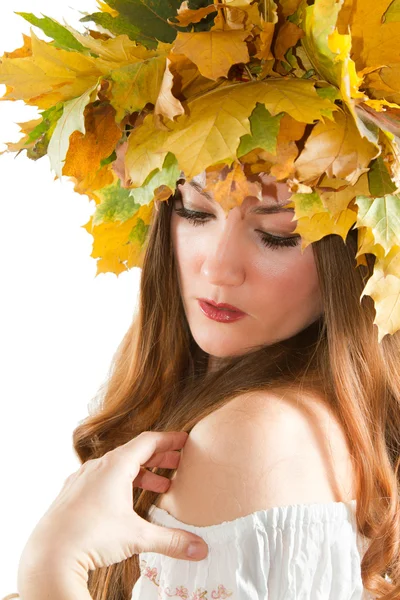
(215, 345)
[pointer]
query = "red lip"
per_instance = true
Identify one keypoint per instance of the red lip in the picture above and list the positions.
(222, 305)
(218, 314)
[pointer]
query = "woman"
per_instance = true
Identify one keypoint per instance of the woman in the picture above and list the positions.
(301, 364)
(291, 403)
(279, 401)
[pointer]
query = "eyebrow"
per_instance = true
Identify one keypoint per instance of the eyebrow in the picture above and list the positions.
(258, 210)
(270, 210)
(199, 189)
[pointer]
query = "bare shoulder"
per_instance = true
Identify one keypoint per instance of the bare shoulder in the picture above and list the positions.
(260, 450)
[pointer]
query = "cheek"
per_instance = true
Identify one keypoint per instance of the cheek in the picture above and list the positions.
(189, 242)
(288, 284)
(290, 269)
(187, 245)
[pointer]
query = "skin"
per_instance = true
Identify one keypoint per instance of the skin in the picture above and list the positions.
(292, 448)
(225, 259)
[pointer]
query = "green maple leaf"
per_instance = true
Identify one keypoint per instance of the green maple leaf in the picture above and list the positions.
(379, 180)
(195, 4)
(116, 204)
(61, 36)
(139, 232)
(264, 131)
(392, 14)
(167, 176)
(47, 125)
(149, 16)
(72, 119)
(382, 215)
(146, 21)
(121, 26)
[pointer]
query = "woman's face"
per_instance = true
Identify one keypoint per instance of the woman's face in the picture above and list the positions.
(227, 258)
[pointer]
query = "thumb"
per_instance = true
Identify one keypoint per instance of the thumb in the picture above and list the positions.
(176, 543)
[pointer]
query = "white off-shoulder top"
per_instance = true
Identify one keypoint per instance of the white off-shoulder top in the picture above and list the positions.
(293, 552)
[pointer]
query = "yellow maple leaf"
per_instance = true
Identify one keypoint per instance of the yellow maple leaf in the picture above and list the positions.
(329, 50)
(288, 35)
(264, 40)
(23, 52)
(43, 75)
(112, 243)
(215, 51)
(86, 151)
(390, 264)
(269, 9)
(290, 129)
(288, 7)
(167, 105)
(330, 54)
(237, 15)
(391, 153)
(49, 76)
(374, 41)
(280, 165)
(384, 115)
(186, 15)
(143, 153)
(336, 194)
(187, 76)
(134, 85)
(230, 185)
(120, 50)
(317, 225)
(104, 7)
(336, 148)
(210, 133)
(366, 243)
(314, 220)
(26, 128)
(71, 120)
(382, 216)
(374, 48)
(384, 83)
(384, 288)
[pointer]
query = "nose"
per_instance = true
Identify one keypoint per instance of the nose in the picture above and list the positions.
(222, 263)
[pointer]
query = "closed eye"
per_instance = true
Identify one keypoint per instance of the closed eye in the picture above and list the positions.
(271, 241)
(194, 216)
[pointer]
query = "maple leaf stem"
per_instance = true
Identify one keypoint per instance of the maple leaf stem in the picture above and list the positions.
(219, 6)
(209, 90)
(263, 8)
(249, 72)
(266, 10)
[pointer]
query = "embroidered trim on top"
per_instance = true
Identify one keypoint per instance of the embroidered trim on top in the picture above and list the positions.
(221, 593)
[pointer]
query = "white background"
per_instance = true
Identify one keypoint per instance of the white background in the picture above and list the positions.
(59, 324)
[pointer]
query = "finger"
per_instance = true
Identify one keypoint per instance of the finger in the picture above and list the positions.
(166, 460)
(146, 444)
(151, 481)
(171, 542)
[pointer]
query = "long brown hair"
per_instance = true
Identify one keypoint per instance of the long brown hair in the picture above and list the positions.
(159, 382)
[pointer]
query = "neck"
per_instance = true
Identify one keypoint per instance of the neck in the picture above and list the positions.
(212, 364)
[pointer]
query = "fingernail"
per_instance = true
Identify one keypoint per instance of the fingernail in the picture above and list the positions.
(196, 551)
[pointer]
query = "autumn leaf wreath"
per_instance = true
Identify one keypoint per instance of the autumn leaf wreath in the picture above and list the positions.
(157, 90)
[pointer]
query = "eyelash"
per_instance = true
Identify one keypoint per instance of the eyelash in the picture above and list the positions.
(200, 218)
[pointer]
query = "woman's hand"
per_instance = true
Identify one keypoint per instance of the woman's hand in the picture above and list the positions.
(91, 524)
